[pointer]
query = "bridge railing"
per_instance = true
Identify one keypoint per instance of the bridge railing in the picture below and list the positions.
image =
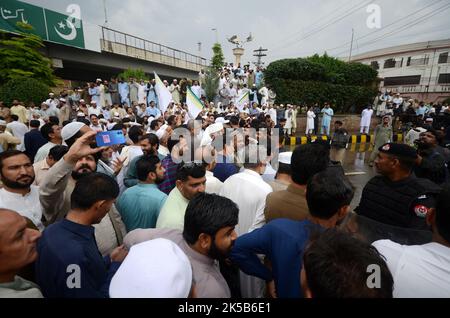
(125, 44)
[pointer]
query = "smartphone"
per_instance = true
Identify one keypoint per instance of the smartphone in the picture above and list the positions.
(109, 138)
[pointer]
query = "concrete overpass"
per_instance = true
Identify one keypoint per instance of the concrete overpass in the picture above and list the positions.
(119, 51)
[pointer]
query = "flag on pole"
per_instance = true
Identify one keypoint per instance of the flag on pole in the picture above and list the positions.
(194, 104)
(242, 100)
(164, 95)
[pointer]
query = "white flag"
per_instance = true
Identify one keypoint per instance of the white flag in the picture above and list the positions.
(164, 95)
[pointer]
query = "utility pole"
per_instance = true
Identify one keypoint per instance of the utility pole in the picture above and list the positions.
(351, 46)
(106, 14)
(259, 54)
(217, 34)
(199, 47)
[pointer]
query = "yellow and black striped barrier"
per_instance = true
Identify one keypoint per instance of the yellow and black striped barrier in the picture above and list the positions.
(354, 139)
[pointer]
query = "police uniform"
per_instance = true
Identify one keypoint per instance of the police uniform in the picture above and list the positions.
(403, 203)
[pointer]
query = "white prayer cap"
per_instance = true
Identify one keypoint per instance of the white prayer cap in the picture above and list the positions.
(2, 122)
(154, 269)
(221, 120)
(92, 102)
(81, 114)
(429, 120)
(82, 101)
(51, 94)
(161, 131)
(71, 129)
(211, 129)
(285, 157)
(98, 80)
(116, 114)
(62, 100)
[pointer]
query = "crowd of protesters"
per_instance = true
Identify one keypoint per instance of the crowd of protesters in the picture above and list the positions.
(216, 206)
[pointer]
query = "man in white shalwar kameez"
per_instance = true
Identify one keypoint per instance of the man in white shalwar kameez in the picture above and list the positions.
(249, 191)
(366, 118)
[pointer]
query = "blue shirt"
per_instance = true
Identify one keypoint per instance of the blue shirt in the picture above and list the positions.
(283, 242)
(33, 140)
(223, 170)
(155, 112)
(66, 245)
(139, 206)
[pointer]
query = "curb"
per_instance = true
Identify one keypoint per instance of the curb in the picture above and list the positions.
(354, 139)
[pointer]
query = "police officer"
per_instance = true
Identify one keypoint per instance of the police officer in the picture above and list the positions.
(397, 197)
(433, 159)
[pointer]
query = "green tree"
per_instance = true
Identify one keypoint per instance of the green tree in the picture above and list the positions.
(138, 74)
(211, 83)
(20, 56)
(218, 60)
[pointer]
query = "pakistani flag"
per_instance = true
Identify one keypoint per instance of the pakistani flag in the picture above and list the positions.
(12, 11)
(195, 106)
(242, 100)
(64, 29)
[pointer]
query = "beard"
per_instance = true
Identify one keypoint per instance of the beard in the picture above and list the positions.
(18, 184)
(217, 254)
(84, 170)
(159, 180)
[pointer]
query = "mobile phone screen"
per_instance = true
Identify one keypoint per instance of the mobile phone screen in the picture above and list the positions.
(109, 138)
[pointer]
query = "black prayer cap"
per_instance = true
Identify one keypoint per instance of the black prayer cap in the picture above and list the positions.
(399, 150)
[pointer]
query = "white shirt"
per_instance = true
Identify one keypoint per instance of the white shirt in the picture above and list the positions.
(163, 151)
(97, 111)
(18, 130)
(366, 117)
(197, 90)
(42, 152)
(213, 185)
(273, 115)
(26, 205)
(249, 191)
(421, 271)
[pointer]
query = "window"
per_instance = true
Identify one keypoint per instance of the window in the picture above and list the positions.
(443, 58)
(375, 65)
(444, 78)
(393, 63)
(402, 80)
(417, 60)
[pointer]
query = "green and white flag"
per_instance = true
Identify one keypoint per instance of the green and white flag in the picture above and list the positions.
(64, 29)
(242, 100)
(195, 106)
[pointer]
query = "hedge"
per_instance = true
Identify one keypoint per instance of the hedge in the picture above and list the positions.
(25, 90)
(342, 97)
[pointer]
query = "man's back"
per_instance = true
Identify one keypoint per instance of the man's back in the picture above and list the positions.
(140, 205)
(65, 248)
(421, 271)
(33, 140)
(290, 204)
(249, 191)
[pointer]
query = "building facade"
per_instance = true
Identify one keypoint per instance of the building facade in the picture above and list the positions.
(420, 71)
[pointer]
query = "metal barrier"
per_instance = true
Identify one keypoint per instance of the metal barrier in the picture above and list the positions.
(125, 44)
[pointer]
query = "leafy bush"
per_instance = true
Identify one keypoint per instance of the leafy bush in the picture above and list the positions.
(342, 97)
(322, 79)
(447, 101)
(138, 74)
(25, 90)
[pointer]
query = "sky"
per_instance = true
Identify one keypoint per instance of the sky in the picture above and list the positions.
(287, 28)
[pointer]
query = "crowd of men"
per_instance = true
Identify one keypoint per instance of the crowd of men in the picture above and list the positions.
(214, 206)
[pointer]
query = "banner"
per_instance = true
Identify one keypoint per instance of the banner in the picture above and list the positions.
(47, 24)
(194, 104)
(164, 95)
